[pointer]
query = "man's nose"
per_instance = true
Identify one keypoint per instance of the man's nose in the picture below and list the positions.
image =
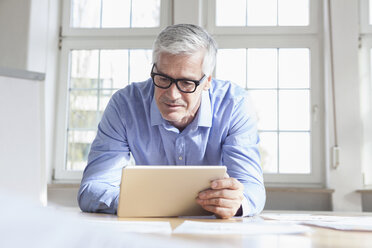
(173, 92)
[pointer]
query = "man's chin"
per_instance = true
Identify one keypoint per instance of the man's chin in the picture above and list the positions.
(172, 117)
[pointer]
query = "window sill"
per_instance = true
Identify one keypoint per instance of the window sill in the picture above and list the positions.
(366, 195)
(364, 191)
(64, 185)
(300, 190)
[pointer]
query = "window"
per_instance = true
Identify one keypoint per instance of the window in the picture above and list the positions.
(102, 44)
(262, 13)
(366, 86)
(94, 76)
(269, 47)
(115, 13)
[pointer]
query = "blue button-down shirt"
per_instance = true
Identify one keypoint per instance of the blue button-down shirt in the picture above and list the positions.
(223, 132)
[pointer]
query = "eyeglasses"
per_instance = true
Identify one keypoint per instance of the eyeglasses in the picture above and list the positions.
(184, 85)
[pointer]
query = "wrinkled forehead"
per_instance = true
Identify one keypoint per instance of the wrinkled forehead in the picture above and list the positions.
(176, 64)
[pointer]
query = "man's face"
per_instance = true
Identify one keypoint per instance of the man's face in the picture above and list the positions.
(175, 106)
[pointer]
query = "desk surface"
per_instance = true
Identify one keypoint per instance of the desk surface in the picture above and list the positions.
(318, 237)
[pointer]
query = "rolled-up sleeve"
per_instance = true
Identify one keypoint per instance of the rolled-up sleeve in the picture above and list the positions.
(241, 156)
(100, 185)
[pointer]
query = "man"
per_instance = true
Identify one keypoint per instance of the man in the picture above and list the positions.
(180, 116)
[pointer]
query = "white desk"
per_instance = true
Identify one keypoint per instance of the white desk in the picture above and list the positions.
(318, 237)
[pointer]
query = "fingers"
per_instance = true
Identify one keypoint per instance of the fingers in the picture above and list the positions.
(224, 198)
(227, 183)
(221, 193)
(223, 203)
(220, 202)
(221, 212)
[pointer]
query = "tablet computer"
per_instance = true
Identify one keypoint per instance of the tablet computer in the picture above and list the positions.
(165, 191)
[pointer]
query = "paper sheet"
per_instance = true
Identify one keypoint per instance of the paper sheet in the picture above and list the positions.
(26, 224)
(299, 218)
(360, 223)
(266, 227)
(159, 227)
(352, 224)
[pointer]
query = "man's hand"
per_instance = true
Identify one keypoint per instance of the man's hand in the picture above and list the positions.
(223, 199)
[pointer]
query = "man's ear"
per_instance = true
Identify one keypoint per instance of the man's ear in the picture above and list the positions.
(207, 84)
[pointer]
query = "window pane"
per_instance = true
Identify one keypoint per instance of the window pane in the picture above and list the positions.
(262, 12)
(265, 103)
(228, 14)
(231, 65)
(83, 109)
(269, 152)
(79, 143)
(140, 65)
(294, 68)
(115, 13)
(86, 14)
(294, 152)
(294, 110)
(145, 13)
(262, 68)
(293, 12)
(84, 69)
(114, 69)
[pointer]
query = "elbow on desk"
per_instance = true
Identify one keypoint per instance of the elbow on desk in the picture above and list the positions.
(97, 201)
(83, 200)
(256, 201)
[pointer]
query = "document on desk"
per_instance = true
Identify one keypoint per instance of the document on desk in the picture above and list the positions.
(351, 224)
(346, 223)
(263, 227)
(159, 227)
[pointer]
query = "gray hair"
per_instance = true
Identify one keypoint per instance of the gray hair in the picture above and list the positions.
(186, 39)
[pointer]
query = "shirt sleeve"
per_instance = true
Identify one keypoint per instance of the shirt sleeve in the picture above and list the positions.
(109, 153)
(241, 156)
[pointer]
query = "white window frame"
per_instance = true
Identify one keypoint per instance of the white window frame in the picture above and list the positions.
(92, 38)
(366, 90)
(287, 37)
(113, 32)
(254, 30)
(226, 37)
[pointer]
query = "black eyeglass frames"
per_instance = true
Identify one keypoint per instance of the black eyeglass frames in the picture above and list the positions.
(184, 85)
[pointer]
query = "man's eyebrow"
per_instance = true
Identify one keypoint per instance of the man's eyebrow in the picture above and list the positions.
(160, 72)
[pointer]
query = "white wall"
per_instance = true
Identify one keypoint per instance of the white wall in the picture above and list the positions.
(51, 77)
(29, 41)
(348, 176)
(14, 17)
(37, 35)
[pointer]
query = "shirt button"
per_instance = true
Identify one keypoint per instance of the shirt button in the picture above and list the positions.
(180, 158)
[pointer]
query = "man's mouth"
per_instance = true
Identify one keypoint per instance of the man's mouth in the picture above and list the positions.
(170, 105)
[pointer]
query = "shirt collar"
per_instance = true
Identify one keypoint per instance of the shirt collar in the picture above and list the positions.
(203, 117)
(155, 116)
